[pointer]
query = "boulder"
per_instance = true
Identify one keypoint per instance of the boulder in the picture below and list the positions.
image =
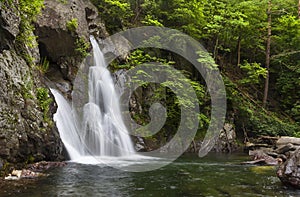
(227, 139)
(287, 140)
(140, 145)
(285, 148)
(289, 171)
(21, 174)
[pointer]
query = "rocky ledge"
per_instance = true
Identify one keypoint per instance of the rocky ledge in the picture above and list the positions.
(282, 151)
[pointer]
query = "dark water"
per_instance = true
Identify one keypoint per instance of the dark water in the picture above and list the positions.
(214, 175)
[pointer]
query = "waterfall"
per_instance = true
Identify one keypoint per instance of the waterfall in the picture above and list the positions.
(99, 130)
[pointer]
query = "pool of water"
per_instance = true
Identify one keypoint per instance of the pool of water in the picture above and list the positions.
(214, 175)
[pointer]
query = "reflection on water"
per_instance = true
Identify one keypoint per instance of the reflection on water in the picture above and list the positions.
(214, 175)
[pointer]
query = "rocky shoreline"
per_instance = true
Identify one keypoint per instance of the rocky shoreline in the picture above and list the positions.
(34, 170)
(282, 151)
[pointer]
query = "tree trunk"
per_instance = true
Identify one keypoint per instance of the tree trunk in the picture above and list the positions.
(137, 11)
(216, 48)
(239, 51)
(299, 9)
(268, 51)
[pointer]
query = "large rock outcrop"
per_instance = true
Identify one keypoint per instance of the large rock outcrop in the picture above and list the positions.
(9, 25)
(25, 134)
(62, 28)
(289, 171)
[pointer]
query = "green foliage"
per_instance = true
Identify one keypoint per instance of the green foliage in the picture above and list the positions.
(150, 21)
(162, 93)
(235, 33)
(254, 73)
(138, 57)
(42, 95)
(252, 118)
(116, 13)
(27, 89)
(288, 84)
(295, 112)
(28, 9)
(72, 25)
(82, 47)
(43, 66)
(30, 160)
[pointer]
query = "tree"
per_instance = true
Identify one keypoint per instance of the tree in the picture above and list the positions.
(268, 54)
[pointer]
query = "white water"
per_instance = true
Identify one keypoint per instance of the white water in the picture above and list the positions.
(101, 131)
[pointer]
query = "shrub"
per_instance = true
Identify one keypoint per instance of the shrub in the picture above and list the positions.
(72, 25)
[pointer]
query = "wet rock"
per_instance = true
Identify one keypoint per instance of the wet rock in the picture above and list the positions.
(31, 174)
(289, 171)
(140, 145)
(11, 177)
(44, 165)
(20, 174)
(17, 173)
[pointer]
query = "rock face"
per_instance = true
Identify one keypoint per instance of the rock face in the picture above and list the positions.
(25, 135)
(23, 132)
(289, 171)
(63, 30)
(9, 25)
(60, 27)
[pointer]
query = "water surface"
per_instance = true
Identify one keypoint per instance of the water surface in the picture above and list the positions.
(214, 175)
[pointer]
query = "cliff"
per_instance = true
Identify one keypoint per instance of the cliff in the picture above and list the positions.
(41, 42)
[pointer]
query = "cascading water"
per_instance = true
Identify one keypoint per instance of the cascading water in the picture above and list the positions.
(100, 130)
